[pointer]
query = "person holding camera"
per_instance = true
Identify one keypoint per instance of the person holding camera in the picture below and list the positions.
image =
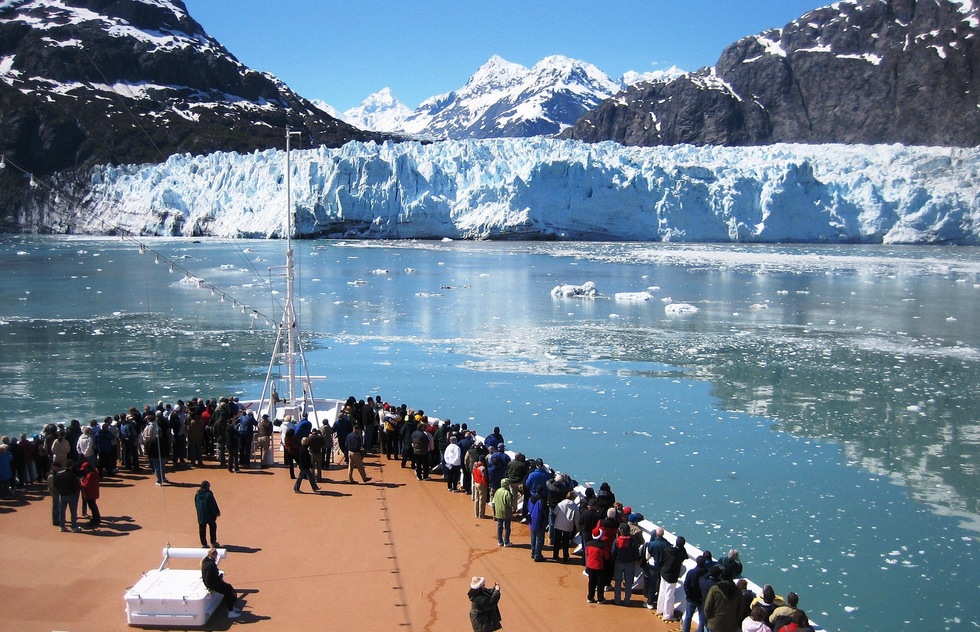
(484, 613)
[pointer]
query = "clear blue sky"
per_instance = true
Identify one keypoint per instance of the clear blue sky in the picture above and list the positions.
(341, 52)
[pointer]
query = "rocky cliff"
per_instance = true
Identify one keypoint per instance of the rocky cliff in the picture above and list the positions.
(87, 82)
(865, 71)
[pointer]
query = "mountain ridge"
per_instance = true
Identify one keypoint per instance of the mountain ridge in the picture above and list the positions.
(856, 71)
(501, 99)
(93, 82)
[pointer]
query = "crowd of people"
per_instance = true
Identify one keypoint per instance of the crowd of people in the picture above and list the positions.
(503, 485)
(613, 546)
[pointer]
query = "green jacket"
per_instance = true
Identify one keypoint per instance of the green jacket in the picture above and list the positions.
(504, 502)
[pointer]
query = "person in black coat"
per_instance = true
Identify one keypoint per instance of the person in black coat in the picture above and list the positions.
(670, 571)
(214, 581)
(484, 613)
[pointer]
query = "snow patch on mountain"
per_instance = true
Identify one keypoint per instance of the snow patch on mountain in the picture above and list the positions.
(543, 188)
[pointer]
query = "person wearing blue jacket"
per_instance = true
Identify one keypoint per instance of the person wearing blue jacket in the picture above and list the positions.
(497, 464)
(537, 511)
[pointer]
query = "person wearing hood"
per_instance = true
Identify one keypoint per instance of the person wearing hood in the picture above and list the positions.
(90, 493)
(723, 606)
(504, 505)
(537, 512)
(484, 613)
(605, 498)
(207, 513)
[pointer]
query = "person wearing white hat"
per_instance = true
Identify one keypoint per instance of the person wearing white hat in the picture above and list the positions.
(484, 613)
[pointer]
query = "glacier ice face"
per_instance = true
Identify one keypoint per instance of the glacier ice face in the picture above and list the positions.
(553, 189)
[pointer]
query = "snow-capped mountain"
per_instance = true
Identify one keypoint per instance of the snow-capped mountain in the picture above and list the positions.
(90, 81)
(523, 96)
(380, 112)
(538, 188)
(504, 99)
(857, 71)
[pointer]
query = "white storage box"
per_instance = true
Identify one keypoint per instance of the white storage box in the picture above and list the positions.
(169, 597)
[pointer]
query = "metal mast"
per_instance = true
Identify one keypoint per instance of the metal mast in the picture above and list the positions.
(289, 312)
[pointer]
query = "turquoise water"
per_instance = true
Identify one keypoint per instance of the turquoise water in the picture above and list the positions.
(818, 412)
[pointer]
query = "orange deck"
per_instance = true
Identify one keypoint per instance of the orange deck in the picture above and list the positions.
(392, 554)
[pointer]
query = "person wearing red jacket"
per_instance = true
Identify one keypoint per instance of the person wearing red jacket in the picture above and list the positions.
(481, 488)
(595, 563)
(90, 493)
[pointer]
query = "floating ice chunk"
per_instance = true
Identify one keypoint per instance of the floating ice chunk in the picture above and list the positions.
(850, 608)
(379, 271)
(950, 319)
(679, 309)
(758, 306)
(586, 290)
(633, 296)
(409, 270)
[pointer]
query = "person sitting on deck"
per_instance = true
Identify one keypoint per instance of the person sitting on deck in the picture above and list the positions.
(214, 581)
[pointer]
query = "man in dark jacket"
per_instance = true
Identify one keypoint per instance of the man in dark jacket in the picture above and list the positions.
(207, 513)
(68, 487)
(232, 441)
(670, 571)
(517, 471)
(692, 590)
(420, 452)
(652, 559)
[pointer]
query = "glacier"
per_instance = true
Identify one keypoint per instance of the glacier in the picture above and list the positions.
(544, 188)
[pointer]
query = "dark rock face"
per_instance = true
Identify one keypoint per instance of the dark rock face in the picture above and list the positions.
(85, 82)
(866, 71)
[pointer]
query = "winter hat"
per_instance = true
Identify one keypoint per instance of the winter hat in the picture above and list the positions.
(477, 583)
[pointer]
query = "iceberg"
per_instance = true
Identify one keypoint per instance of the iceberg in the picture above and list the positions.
(568, 290)
(543, 188)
